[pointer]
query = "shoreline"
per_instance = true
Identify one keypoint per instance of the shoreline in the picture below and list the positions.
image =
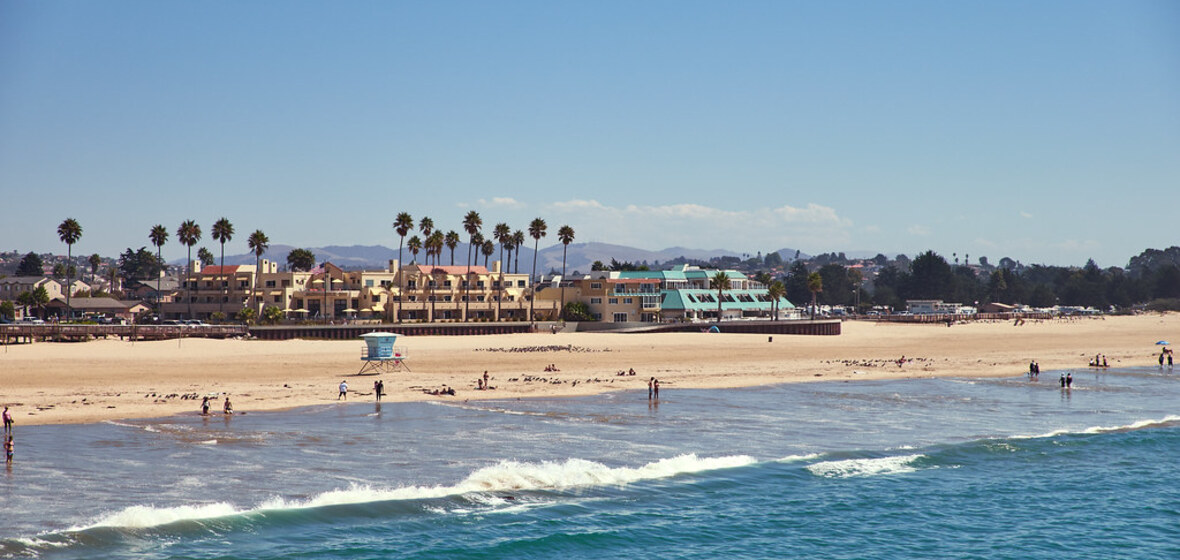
(96, 381)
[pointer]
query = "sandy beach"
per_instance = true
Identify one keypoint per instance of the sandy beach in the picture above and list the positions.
(61, 383)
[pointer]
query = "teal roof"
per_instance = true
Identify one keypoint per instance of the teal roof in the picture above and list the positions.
(706, 300)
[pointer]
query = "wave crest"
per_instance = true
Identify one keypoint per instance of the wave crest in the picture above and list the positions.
(501, 477)
(848, 468)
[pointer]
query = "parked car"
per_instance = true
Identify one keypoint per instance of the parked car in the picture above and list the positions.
(32, 321)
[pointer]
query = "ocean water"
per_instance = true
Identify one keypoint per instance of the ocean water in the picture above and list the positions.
(932, 468)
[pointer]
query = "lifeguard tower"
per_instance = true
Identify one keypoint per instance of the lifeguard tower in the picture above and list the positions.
(380, 355)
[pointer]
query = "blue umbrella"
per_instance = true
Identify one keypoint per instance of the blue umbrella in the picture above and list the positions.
(1162, 343)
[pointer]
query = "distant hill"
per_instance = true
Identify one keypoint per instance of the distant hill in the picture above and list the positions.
(579, 258)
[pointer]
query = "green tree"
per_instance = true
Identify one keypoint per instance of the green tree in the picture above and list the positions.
(223, 231)
(272, 315)
(69, 231)
(576, 311)
(503, 235)
(518, 242)
(471, 224)
(720, 282)
(402, 224)
(415, 245)
(775, 291)
(30, 265)
(189, 234)
(566, 235)
(537, 230)
(451, 240)
(838, 288)
(94, 261)
(247, 315)
(205, 256)
(300, 260)
(258, 242)
(487, 249)
(796, 282)
(930, 278)
(159, 236)
(40, 298)
(7, 310)
(426, 226)
(138, 265)
(815, 285)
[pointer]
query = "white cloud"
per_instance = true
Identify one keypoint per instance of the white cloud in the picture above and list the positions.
(500, 202)
(699, 226)
(918, 230)
(1025, 215)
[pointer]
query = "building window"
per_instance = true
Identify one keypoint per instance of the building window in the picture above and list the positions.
(596, 285)
(368, 283)
(595, 301)
(613, 301)
(520, 283)
(627, 301)
(620, 317)
(446, 283)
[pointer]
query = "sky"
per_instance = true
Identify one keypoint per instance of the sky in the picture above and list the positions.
(1047, 132)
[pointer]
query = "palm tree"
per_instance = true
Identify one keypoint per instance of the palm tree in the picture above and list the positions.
(566, 235)
(719, 282)
(159, 236)
(451, 240)
(518, 242)
(95, 261)
(434, 246)
(776, 290)
(189, 233)
(537, 229)
(402, 224)
(503, 235)
(815, 284)
(415, 245)
(70, 231)
(426, 226)
(223, 231)
(258, 243)
(471, 224)
(488, 248)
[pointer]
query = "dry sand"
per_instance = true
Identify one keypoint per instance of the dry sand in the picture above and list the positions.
(59, 383)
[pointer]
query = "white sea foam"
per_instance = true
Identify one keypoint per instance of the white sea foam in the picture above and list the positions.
(1137, 425)
(798, 458)
(864, 467)
(502, 477)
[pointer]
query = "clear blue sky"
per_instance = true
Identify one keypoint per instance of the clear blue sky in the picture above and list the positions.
(1048, 132)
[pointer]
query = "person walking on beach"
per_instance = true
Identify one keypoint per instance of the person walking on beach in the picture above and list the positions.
(7, 421)
(343, 390)
(378, 388)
